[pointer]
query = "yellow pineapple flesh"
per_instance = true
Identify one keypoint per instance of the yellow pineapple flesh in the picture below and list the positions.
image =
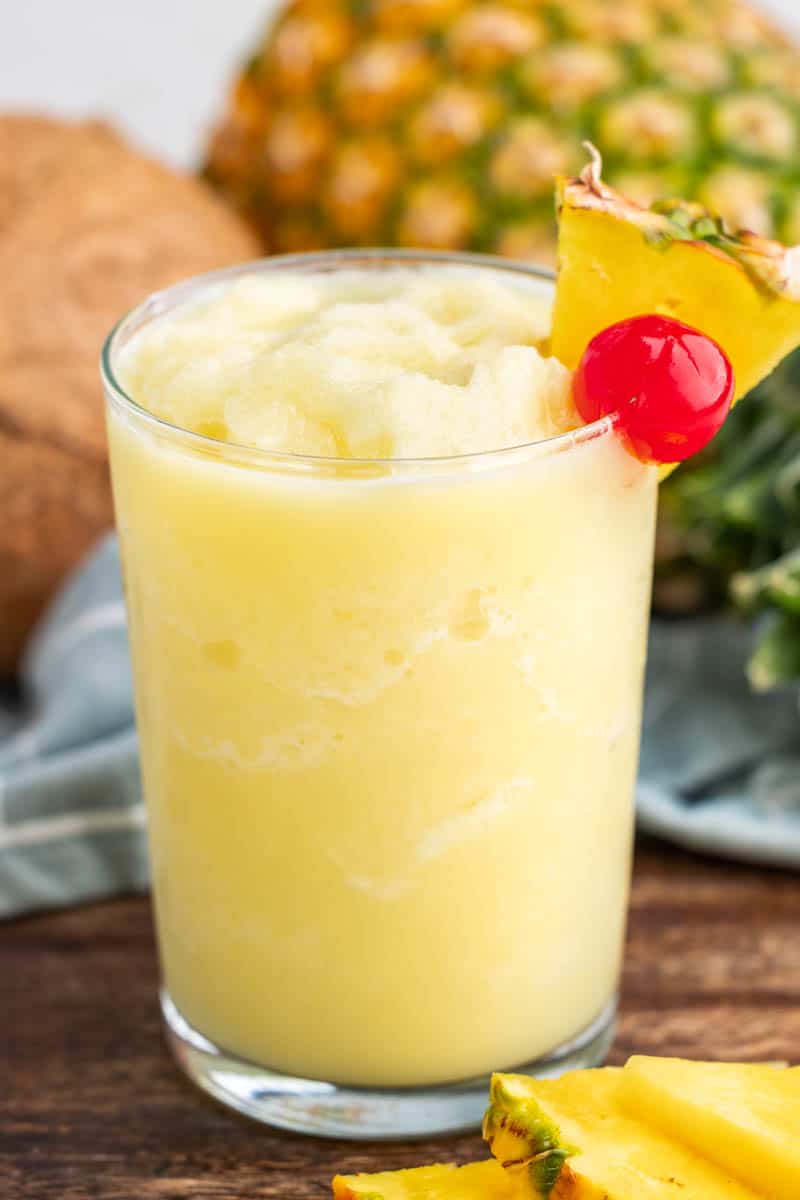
(744, 1117)
(618, 260)
(477, 1181)
(617, 1156)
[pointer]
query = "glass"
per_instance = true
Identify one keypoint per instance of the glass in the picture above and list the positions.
(389, 716)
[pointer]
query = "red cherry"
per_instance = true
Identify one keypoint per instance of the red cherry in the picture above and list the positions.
(670, 385)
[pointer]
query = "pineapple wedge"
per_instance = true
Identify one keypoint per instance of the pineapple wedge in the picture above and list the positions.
(618, 260)
(658, 1129)
(445, 1181)
(746, 1117)
(522, 1136)
(620, 1157)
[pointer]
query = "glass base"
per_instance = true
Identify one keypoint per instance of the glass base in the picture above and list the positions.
(327, 1110)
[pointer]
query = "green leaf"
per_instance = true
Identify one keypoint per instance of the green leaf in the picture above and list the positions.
(731, 520)
(777, 658)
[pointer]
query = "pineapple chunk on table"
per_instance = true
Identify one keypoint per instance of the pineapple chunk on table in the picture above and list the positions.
(744, 1117)
(444, 1181)
(616, 1155)
(658, 1129)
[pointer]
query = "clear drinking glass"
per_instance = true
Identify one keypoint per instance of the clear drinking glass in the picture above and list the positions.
(389, 716)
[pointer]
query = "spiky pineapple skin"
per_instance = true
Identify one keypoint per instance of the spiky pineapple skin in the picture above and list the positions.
(441, 123)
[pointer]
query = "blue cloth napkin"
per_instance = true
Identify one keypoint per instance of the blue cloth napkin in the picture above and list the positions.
(71, 812)
(720, 768)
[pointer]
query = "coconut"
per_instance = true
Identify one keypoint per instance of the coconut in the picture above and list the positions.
(88, 226)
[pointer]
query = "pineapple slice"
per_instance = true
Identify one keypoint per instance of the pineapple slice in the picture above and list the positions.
(744, 1117)
(658, 1129)
(521, 1135)
(478, 1181)
(620, 1157)
(618, 260)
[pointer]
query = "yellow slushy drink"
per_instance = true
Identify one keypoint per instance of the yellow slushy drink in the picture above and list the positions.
(388, 613)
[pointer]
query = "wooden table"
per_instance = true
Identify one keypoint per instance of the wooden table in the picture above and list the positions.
(96, 1109)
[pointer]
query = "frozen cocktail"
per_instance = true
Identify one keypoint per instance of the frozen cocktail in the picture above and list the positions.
(388, 602)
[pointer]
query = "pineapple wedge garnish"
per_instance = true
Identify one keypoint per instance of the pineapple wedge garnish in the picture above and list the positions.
(744, 1117)
(618, 260)
(620, 1157)
(477, 1181)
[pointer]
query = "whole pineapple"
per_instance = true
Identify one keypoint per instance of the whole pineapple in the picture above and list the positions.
(441, 123)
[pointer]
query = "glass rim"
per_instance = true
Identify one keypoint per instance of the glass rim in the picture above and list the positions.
(158, 304)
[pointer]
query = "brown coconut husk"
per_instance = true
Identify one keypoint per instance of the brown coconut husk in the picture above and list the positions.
(88, 226)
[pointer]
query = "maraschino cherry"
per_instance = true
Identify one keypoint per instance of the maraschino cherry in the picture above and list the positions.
(670, 385)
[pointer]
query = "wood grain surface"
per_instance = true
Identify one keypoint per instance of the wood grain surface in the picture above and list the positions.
(92, 1108)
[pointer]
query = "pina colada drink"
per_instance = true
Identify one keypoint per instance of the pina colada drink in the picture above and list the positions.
(388, 617)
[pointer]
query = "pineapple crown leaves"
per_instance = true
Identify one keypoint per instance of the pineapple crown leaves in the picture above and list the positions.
(514, 1118)
(776, 660)
(774, 587)
(735, 520)
(774, 268)
(776, 583)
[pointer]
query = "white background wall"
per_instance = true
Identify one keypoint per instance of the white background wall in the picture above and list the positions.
(157, 67)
